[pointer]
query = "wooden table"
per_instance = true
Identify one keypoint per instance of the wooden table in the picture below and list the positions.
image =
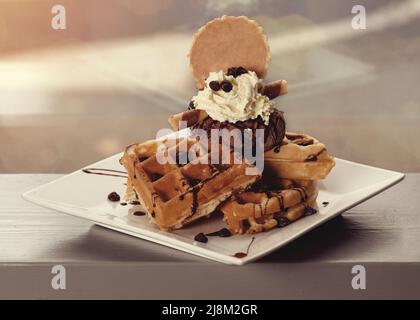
(382, 234)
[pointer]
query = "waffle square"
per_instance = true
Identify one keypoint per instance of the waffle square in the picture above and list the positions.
(266, 206)
(299, 157)
(175, 194)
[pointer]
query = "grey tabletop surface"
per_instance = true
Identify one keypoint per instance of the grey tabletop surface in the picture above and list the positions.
(381, 234)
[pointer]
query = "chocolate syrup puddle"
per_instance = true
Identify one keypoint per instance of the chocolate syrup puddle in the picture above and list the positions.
(103, 172)
(244, 254)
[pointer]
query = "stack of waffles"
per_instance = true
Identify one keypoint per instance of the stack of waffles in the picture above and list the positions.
(176, 180)
(287, 190)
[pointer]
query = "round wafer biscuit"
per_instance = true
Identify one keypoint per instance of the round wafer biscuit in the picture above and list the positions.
(229, 42)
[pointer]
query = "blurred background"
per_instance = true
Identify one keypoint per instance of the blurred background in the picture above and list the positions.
(113, 76)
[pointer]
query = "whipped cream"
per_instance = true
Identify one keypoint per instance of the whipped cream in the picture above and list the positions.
(242, 103)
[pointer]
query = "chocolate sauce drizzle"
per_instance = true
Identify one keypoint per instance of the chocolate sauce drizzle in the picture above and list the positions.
(103, 172)
(281, 202)
(194, 190)
(302, 193)
(244, 254)
(292, 137)
(223, 233)
(314, 157)
(154, 196)
(309, 211)
(194, 204)
(279, 198)
(270, 195)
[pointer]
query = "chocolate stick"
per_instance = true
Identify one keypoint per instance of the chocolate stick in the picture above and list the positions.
(274, 89)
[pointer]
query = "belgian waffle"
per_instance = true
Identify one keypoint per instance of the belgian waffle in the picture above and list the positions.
(299, 157)
(264, 208)
(175, 194)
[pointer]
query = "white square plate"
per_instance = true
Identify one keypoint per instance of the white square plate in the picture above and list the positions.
(85, 195)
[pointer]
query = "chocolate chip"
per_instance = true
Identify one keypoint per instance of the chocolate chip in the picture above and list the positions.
(201, 238)
(139, 213)
(226, 86)
(191, 105)
(240, 70)
(281, 221)
(114, 197)
(236, 72)
(231, 72)
(214, 85)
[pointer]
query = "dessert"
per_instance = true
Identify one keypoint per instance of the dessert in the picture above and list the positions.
(229, 59)
(177, 193)
(241, 107)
